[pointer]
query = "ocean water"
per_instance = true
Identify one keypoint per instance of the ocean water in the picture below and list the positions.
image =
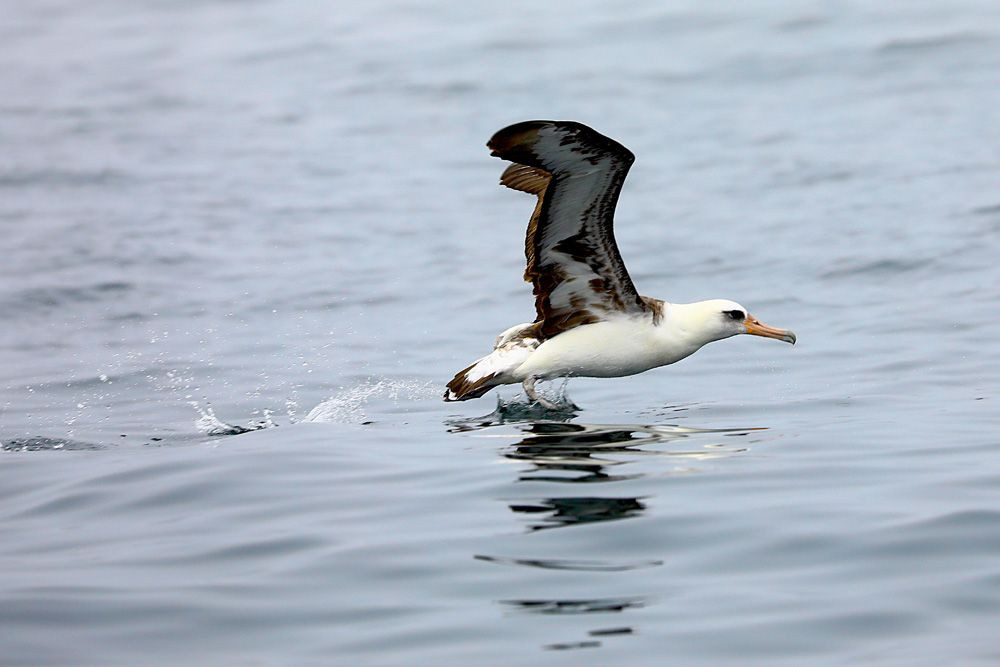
(245, 245)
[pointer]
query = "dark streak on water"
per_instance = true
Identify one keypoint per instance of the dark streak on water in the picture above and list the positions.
(223, 217)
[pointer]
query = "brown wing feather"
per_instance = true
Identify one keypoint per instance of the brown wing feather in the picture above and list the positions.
(573, 261)
(533, 181)
(526, 179)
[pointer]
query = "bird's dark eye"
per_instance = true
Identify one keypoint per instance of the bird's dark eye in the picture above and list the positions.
(737, 315)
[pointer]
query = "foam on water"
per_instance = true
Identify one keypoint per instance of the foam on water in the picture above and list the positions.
(348, 406)
(518, 408)
(209, 423)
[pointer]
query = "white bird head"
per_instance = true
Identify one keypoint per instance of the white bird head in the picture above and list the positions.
(716, 319)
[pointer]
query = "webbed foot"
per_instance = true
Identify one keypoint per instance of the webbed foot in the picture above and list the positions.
(534, 396)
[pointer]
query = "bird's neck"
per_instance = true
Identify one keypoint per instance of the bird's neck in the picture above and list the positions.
(683, 329)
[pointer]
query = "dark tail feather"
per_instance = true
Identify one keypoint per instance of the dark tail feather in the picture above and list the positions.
(461, 389)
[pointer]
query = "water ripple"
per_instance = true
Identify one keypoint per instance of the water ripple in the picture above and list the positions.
(594, 606)
(572, 564)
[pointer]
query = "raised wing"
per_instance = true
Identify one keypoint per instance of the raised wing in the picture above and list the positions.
(573, 260)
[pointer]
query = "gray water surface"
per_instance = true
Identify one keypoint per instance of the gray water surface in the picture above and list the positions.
(245, 245)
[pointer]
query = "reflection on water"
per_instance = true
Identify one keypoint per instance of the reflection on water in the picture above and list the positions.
(606, 632)
(576, 606)
(582, 452)
(569, 645)
(573, 511)
(564, 451)
(582, 565)
(556, 449)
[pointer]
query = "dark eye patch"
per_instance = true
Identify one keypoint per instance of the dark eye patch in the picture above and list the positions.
(735, 314)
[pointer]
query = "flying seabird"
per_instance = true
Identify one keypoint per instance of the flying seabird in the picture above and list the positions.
(590, 320)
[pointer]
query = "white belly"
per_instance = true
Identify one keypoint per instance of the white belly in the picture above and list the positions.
(604, 349)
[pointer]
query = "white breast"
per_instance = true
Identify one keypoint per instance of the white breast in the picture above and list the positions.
(613, 348)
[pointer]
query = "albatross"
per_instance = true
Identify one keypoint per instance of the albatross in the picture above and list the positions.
(590, 320)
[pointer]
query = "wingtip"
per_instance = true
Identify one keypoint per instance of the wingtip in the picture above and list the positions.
(519, 142)
(518, 128)
(514, 141)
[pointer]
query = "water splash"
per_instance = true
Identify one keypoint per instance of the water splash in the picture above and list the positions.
(519, 410)
(348, 406)
(209, 424)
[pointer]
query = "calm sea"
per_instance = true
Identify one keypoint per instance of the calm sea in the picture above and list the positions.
(246, 243)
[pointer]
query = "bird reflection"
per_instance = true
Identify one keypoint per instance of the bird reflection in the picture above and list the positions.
(552, 448)
(582, 453)
(585, 606)
(578, 510)
(571, 452)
